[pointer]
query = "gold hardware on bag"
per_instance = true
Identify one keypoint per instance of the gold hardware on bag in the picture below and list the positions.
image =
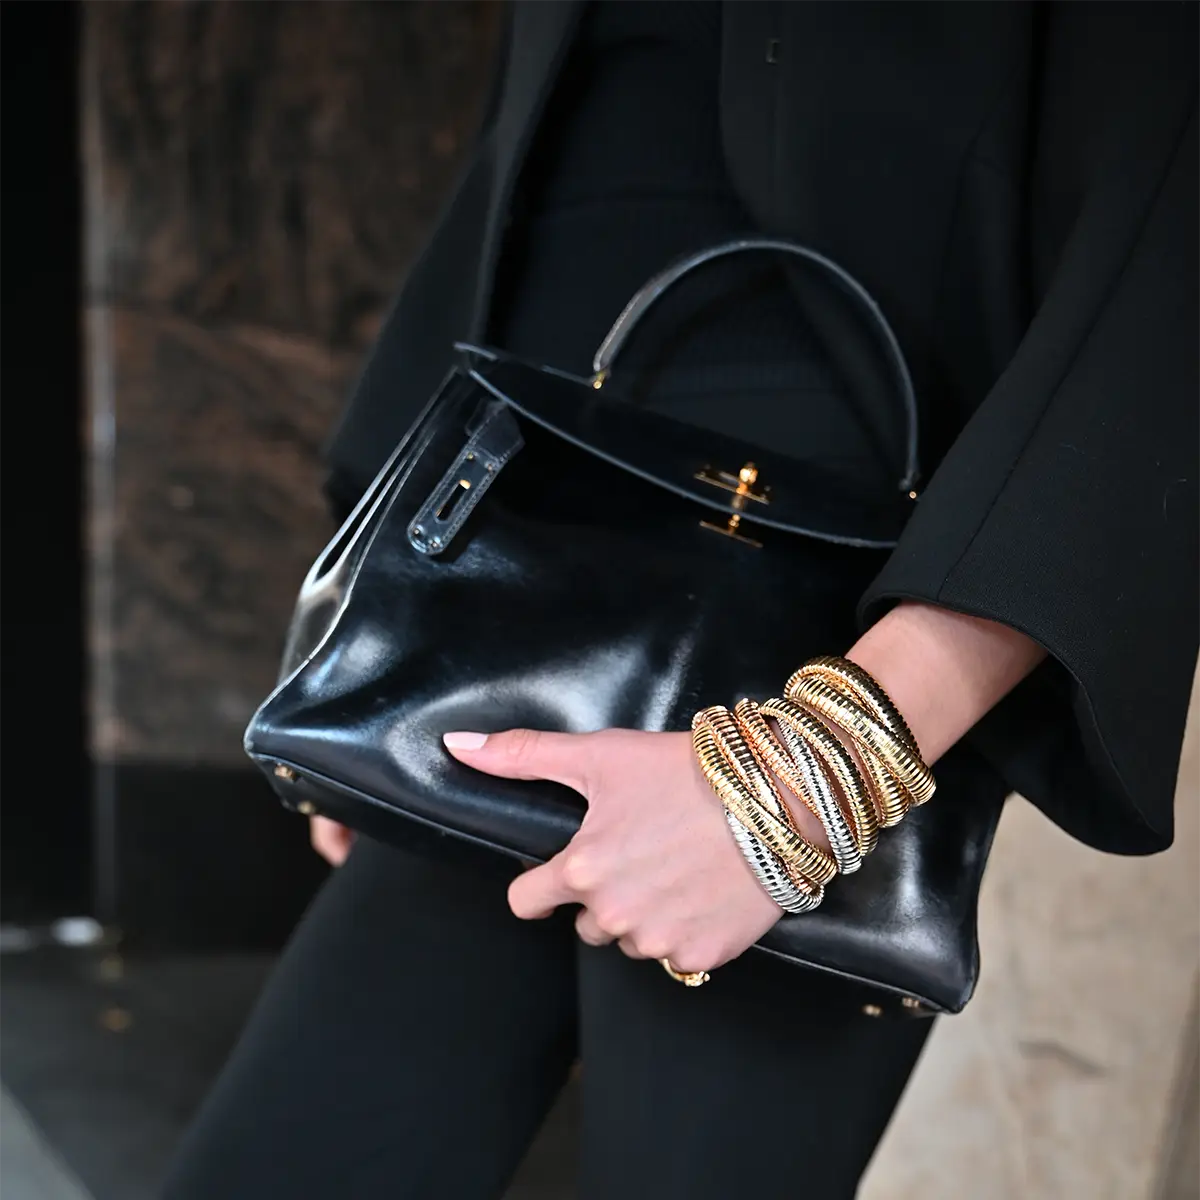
(742, 487)
(306, 808)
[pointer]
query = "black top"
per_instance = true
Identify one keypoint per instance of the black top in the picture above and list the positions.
(626, 174)
(1016, 183)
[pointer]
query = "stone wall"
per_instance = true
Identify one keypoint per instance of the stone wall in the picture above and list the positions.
(258, 177)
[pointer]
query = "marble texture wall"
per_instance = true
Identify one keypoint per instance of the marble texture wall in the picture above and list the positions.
(258, 177)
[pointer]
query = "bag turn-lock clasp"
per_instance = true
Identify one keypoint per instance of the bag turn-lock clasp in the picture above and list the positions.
(742, 486)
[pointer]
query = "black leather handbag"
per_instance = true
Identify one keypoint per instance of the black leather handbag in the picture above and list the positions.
(538, 552)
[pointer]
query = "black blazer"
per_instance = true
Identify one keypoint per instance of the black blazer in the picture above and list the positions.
(1017, 184)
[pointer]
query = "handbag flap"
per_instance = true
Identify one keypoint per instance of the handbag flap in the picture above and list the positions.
(722, 473)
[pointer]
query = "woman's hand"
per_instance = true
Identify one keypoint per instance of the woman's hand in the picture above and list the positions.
(330, 840)
(653, 864)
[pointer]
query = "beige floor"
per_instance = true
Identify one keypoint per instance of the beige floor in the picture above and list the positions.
(1068, 1076)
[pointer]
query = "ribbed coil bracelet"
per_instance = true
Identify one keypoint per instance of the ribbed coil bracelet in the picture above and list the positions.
(838, 744)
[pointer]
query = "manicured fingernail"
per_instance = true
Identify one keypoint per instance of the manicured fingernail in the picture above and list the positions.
(462, 740)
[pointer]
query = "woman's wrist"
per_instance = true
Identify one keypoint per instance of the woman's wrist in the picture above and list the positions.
(809, 779)
(943, 670)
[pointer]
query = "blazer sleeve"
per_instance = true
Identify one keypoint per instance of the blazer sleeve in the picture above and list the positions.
(414, 348)
(1067, 508)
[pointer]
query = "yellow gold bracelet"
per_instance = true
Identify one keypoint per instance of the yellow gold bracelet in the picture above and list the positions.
(759, 743)
(766, 746)
(831, 704)
(840, 764)
(738, 754)
(893, 798)
(805, 870)
(741, 758)
(798, 766)
(856, 679)
(811, 861)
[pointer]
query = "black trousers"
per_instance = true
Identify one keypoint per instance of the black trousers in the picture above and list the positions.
(415, 1034)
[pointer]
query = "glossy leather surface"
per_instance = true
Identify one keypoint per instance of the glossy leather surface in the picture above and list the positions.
(652, 291)
(581, 595)
(802, 498)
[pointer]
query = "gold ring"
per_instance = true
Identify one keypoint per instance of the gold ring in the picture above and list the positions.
(687, 978)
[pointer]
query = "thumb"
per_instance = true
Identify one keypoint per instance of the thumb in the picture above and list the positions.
(524, 754)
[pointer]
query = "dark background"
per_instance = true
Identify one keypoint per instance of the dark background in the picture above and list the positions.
(45, 826)
(206, 209)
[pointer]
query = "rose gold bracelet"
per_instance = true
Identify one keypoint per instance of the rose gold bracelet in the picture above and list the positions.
(838, 762)
(728, 765)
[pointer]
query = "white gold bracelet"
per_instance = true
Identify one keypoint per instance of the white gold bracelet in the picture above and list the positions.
(770, 871)
(841, 837)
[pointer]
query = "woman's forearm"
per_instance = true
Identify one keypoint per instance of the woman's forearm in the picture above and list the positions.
(942, 669)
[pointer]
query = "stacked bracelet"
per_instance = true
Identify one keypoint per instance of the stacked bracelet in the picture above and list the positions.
(724, 758)
(800, 770)
(771, 872)
(838, 762)
(838, 743)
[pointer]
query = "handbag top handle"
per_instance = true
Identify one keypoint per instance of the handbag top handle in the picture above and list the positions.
(650, 291)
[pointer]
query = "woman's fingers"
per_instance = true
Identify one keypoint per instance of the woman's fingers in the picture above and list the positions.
(568, 878)
(590, 930)
(525, 754)
(653, 867)
(537, 893)
(330, 840)
(534, 754)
